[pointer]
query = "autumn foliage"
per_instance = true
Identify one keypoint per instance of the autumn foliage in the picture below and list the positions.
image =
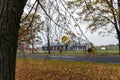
(29, 69)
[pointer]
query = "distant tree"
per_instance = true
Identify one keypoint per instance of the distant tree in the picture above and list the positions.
(102, 16)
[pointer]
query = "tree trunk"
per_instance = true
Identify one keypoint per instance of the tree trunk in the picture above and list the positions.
(119, 45)
(118, 35)
(10, 14)
(48, 39)
(118, 32)
(119, 41)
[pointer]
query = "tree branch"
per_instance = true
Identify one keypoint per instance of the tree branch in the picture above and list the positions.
(28, 12)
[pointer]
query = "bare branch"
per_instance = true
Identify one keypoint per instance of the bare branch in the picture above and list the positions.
(31, 20)
(28, 12)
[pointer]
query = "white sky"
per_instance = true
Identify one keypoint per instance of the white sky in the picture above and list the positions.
(98, 39)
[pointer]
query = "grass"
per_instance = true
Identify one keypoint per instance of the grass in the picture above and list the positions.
(33, 69)
(109, 50)
(57, 53)
(78, 53)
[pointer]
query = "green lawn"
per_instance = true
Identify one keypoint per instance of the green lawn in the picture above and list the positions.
(109, 51)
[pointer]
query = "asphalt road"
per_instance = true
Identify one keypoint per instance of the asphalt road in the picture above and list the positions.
(100, 59)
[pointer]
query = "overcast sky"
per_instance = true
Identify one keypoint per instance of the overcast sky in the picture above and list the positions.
(99, 40)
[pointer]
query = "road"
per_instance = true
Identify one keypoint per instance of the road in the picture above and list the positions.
(100, 59)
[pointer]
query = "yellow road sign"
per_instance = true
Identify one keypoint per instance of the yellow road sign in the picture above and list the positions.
(64, 38)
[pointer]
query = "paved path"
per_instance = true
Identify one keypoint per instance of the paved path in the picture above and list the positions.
(103, 59)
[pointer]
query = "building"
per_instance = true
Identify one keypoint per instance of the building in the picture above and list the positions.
(71, 47)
